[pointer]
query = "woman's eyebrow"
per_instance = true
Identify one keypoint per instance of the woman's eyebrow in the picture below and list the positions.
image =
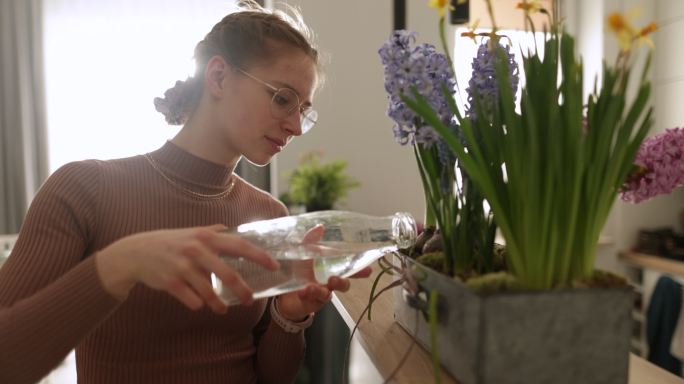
(283, 84)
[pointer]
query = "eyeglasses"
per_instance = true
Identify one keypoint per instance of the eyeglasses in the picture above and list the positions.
(285, 101)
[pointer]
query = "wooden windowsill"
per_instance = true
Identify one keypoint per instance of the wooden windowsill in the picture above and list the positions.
(653, 262)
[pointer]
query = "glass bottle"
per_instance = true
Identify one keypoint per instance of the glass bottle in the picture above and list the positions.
(350, 241)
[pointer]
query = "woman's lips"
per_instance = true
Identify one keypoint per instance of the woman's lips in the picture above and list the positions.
(276, 144)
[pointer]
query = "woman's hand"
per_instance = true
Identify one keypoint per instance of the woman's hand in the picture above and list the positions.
(296, 306)
(180, 262)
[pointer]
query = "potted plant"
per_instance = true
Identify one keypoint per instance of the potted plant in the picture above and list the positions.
(538, 312)
(319, 186)
(316, 185)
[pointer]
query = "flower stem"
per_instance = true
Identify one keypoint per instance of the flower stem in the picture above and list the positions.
(442, 37)
(490, 10)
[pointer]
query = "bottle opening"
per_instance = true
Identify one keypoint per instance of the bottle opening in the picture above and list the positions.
(404, 229)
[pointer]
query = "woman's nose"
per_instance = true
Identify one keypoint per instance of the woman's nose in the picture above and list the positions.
(293, 124)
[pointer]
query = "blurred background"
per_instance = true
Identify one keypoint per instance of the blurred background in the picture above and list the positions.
(77, 80)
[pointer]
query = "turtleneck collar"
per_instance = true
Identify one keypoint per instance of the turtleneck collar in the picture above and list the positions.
(184, 166)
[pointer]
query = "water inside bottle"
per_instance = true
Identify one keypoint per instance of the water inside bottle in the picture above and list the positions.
(350, 242)
(296, 273)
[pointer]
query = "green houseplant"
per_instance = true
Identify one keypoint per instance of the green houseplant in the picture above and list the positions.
(318, 186)
(550, 171)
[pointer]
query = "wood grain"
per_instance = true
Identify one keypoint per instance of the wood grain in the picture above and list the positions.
(654, 262)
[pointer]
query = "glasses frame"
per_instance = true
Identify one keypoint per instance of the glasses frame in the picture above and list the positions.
(308, 116)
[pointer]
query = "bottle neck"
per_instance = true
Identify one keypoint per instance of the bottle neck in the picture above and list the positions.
(404, 231)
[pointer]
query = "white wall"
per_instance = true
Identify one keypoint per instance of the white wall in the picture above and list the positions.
(667, 77)
(668, 84)
(352, 120)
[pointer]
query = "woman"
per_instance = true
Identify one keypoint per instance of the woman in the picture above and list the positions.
(114, 256)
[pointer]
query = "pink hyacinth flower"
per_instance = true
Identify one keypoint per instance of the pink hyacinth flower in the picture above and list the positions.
(660, 163)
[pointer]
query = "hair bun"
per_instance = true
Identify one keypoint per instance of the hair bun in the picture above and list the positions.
(177, 103)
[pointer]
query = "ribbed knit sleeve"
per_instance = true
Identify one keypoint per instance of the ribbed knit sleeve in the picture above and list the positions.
(52, 300)
(50, 294)
(279, 354)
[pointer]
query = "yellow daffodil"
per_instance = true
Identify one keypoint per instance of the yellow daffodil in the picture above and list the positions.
(441, 5)
(642, 36)
(530, 6)
(623, 30)
(471, 30)
(626, 34)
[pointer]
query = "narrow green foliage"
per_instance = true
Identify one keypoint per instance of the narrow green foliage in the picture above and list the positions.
(467, 230)
(374, 287)
(549, 173)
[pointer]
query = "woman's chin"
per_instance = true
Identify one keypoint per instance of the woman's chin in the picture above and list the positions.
(259, 160)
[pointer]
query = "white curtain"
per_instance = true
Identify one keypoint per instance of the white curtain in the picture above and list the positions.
(23, 147)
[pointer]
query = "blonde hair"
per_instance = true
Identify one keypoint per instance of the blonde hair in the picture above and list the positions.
(251, 35)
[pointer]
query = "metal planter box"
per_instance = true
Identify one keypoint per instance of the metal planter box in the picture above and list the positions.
(566, 336)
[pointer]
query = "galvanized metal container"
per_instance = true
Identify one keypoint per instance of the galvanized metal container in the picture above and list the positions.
(562, 337)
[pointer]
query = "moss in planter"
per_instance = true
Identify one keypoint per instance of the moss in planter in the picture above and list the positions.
(434, 260)
(502, 281)
(494, 282)
(602, 279)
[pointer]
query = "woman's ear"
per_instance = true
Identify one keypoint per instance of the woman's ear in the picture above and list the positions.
(215, 73)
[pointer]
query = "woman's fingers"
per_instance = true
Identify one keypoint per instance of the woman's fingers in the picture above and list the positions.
(180, 262)
(314, 235)
(338, 284)
(232, 245)
(181, 291)
(210, 263)
(192, 273)
(318, 294)
(201, 285)
(367, 271)
(216, 227)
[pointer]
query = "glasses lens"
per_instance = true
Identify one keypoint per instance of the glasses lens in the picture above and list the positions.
(309, 118)
(284, 102)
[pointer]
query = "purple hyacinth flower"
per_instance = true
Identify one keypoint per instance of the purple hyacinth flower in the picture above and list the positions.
(483, 81)
(421, 67)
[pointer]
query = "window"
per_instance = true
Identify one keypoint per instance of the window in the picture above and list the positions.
(105, 61)
(465, 50)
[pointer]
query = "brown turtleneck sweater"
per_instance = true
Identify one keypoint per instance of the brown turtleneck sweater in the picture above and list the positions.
(51, 299)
